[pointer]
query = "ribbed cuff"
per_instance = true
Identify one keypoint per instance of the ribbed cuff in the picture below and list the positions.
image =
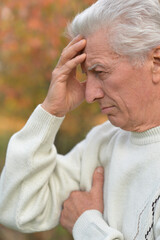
(42, 122)
(91, 226)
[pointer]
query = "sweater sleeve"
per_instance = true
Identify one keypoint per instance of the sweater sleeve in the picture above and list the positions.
(91, 225)
(35, 179)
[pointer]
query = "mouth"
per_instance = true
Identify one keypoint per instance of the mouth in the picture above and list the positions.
(107, 110)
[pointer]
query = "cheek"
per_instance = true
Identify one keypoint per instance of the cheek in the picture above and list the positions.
(126, 100)
(129, 99)
(114, 83)
(123, 89)
(115, 92)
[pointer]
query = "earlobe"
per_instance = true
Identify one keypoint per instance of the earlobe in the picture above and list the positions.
(156, 65)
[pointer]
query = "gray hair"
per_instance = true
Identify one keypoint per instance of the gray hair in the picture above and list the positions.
(132, 26)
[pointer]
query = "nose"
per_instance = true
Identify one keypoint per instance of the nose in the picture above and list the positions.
(93, 90)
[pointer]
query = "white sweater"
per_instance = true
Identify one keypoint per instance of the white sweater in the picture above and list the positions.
(36, 180)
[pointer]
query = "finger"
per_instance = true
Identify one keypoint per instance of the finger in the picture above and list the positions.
(72, 64)
(83, 86)
(74, 40)
(98, 181)
(71, 52)
(62, 218)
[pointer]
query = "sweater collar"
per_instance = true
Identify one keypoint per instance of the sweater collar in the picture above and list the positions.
(147, 137)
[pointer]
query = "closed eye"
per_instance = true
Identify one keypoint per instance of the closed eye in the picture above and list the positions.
(98, 73)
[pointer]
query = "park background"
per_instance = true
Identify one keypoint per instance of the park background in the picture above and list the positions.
(31, 40)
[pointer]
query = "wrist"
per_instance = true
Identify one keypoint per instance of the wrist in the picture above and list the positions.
(52, 110)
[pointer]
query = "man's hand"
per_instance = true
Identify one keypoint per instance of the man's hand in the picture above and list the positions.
(65, 91)
(79, 201)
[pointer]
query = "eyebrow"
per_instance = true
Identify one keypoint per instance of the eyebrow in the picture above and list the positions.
(94, 66)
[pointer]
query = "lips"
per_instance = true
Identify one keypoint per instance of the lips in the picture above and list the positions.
(108, 109)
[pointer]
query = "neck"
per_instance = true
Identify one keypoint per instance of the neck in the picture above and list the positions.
(147, 120)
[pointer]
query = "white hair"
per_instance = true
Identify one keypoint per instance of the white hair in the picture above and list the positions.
(133, 26)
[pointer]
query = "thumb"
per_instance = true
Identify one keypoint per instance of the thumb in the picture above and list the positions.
(98, 181)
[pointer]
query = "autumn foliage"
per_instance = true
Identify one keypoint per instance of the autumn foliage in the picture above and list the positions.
(31, 39)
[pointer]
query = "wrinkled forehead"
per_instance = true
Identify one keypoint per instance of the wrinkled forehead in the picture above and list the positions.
(98, 51)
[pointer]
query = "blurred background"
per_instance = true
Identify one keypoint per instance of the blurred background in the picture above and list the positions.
(31, 39)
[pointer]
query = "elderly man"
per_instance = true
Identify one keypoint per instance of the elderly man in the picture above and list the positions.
(117, 44)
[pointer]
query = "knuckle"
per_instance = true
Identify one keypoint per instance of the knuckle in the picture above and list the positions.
(65, 204)
(63, 54)
(55, 72)
(65, 48)
(62, 221)
(68, 65)
(61, 216)
(74, 193)
(99, 176)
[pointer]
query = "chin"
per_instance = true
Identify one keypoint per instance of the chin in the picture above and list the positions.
(118, 122)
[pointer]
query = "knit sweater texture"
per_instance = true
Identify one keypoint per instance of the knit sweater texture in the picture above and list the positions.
(36, 180)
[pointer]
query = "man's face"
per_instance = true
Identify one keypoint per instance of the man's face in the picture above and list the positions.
(123, 91)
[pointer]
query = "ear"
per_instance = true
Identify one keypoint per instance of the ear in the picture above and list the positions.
(156, 65)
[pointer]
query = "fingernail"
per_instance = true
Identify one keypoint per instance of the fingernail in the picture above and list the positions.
(100, 170)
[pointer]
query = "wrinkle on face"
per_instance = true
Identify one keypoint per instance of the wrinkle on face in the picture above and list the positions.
(126, 88)
(95, 52)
